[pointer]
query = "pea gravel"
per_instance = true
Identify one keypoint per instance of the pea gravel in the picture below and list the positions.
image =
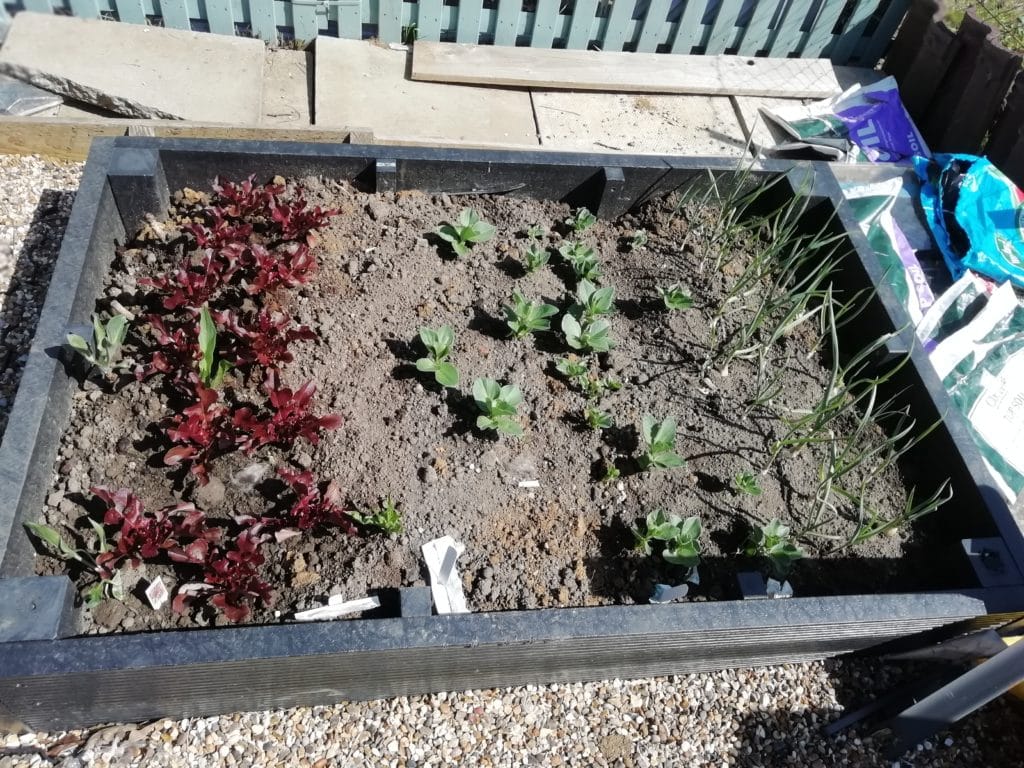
(749, 718)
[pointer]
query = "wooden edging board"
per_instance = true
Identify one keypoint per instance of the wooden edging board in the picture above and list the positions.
(69, 138)
(631, 72)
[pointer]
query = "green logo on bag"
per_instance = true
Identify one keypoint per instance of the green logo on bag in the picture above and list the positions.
(1007, 250)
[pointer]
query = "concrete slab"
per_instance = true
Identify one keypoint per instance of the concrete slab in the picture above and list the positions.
(138, 71)
(638, 123)
(18, 98)
(362, 83)
(287, 88)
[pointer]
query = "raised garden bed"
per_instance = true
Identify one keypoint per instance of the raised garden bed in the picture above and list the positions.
(382, 276)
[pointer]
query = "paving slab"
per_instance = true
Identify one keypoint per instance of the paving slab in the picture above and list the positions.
(362, 83)
(638, 123)
(18, 98)
(138, 71)
(287, 88)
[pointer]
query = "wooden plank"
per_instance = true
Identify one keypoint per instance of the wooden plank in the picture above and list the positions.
(787, 31)
(637, 72)
(919, 78)
(616, 32)
(1005, 146)
(175, 14)
(350, 19)
(86, 9)
(131, 11)
(506, 28)
(820, 36)
(582, 21)
(971, 94)
(723, 29)
(220, 17)
(69, 139)
(881, 38)
(650, 33)
(544, 20)
(853, 32)
(262, 19)
(389, 21)
(469, 21)
(757, 33)
(920, 20)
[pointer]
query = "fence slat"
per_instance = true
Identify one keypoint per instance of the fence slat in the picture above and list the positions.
(755, 36)
(787, 31)
(650, 33)
(468, 30)
(875, 48)
(304, 22)
(723, 30)
(219, 16)
(615, 33)
(506, 29)
(389, 21)
(853, 32)
(350, 19)
(175, 14)
(544, 24)
(261, 19)
(820, 36)
(582, 21)
(1006, 140)
(40, 6)
(86, 9)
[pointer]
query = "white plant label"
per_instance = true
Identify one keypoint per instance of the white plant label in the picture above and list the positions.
(445, 583)
(156, 593)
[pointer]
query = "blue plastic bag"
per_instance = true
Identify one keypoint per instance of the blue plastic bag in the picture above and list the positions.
(976, 215)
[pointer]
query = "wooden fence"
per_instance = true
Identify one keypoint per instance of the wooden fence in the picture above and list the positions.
(846, 31)
(963, 89)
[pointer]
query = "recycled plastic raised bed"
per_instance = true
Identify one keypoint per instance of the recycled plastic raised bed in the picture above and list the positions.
(51, 678)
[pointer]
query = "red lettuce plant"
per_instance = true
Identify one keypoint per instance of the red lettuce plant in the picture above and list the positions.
(296, 221)
(244, 199)
(231, 575)
(289, 266)
(289, 420)
(203, 431)
(191, 286)
(220, 233)
(263, 339)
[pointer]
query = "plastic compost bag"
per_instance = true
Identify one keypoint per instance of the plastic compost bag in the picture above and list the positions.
(865, 123)
(873, 205)
(982, 368)
(954, 309)
(976, 215)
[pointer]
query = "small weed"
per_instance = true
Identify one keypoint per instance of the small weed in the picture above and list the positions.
(675, 297)
(638, 240)
(746, 482)
(660, 439)
(439, 344)
(536, 231)
(597, 419)
(611, 472)
(524, 317)
(498, 405)
(387, 519)
(469, 230)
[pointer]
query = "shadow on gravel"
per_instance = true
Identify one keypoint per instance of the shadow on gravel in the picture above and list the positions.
(26, 291)
(770, 737)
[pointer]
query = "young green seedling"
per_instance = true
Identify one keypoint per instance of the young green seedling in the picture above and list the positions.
(681, 538)
(593, 301)
(103, 350)
(581, 221)
(583, 260)
(439, 344)
(597, 419)
(386, 519)
(660, 439)
(675, 297)
(611, 472)
(535, 231)
(211, 375)
(638, 240)
(109, 584)
(746, 482)
(535, 256)
(588, 336)
(524, 317)
(574, 370)
(498, 405)
(470, 229)
(774, 543)
(595, 388)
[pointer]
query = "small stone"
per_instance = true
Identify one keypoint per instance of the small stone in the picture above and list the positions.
(303, 459)
(54, 499)
(210, 495)
(428, 475)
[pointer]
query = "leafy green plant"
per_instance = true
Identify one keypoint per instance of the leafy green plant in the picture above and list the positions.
(611, 472)
(675, 296)
(109, 584)
(438, 343)
(103, 350)
(524, 317)
(469, 229)
(582, 258)
(595, 388)
(211, 374)
(597, 419)
(581, 221)
(386, 519)
(579, 375)
(535, 256)
(589, 336)
(573, 369)
(746, 482)
(681, 538)
(638, 240)
(593, 301)
(774, 543)
(498, 405)
(535, 231)
(660, 438)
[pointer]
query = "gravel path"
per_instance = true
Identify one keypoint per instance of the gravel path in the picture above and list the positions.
(757, 718)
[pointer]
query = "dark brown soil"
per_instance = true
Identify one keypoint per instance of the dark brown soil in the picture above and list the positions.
(565, 543)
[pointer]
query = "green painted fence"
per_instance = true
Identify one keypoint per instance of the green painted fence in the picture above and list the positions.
(847, 31)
